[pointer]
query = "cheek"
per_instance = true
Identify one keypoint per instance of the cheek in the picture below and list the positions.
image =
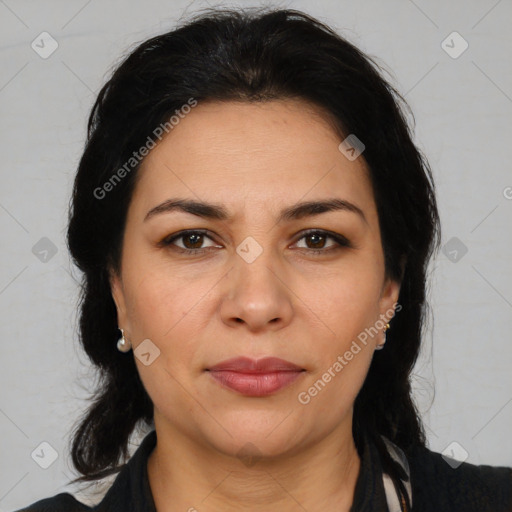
(159, 300)
(168, 309)
(345, 301)
(342, 355)
(347, 304)
(332, 392)
(164, 309)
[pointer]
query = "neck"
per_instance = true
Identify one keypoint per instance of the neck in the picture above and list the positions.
(187, 477)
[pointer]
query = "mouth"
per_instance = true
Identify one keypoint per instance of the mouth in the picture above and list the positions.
(257, 378)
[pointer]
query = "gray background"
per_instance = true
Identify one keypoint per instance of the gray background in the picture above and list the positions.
(462, 106)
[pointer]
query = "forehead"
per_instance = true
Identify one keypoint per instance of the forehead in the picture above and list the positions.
(266, 153)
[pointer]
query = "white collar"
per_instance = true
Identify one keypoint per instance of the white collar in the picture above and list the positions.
(396, 501)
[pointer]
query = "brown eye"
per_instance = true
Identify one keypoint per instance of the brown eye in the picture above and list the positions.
(316, 241)
(189, 241)
(192, 241)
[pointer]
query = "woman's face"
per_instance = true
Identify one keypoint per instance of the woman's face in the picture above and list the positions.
(257, 276)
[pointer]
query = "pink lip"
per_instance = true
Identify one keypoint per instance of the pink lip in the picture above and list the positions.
(255, 378)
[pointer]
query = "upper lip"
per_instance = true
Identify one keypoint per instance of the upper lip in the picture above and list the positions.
(264, 365)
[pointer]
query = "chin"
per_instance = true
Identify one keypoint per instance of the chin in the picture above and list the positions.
(254, 435)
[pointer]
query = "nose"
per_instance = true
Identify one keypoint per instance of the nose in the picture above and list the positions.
(256, 295)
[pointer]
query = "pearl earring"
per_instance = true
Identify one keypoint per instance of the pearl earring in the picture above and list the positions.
(123, 345)
(381, 345)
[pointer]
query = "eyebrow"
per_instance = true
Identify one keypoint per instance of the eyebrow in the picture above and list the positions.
(219, 212)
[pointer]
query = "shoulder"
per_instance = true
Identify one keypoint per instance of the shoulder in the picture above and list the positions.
(129, 492)
(439, 486)
(64, 502)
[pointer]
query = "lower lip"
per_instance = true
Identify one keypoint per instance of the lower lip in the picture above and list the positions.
(255, 384)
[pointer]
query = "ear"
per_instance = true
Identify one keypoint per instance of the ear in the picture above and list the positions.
(116, 287)
(389, 298)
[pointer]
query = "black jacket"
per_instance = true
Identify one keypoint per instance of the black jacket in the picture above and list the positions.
(435, 486)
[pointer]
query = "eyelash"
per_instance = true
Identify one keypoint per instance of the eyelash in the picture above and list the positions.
(340, 240)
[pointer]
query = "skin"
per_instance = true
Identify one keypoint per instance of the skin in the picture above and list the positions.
(292, 303)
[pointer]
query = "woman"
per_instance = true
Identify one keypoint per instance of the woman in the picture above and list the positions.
(254, 225)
